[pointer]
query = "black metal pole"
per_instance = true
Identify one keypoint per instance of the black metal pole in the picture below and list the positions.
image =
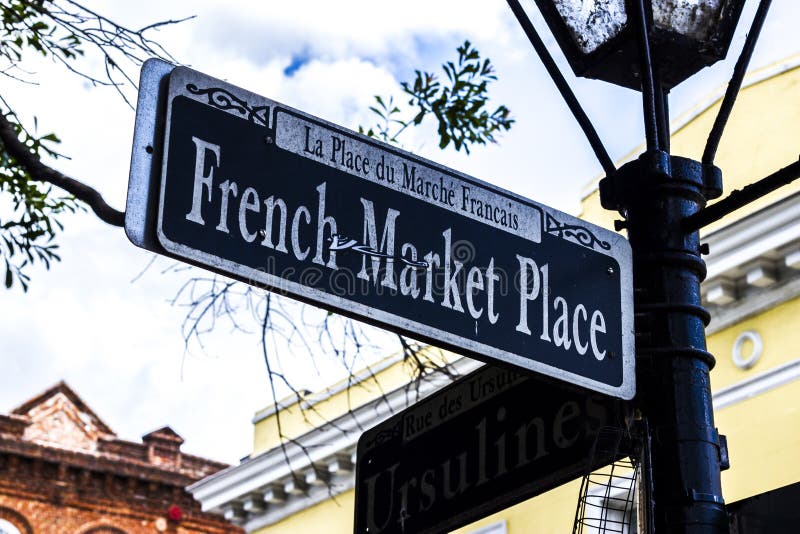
(657, 193)
(660, 195)
(672, 362)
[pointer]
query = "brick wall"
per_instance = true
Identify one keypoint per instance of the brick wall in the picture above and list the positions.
(45, 497)
(63, 471)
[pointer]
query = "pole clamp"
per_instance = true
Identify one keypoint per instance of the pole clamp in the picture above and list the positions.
(704, 433)
(693, 495)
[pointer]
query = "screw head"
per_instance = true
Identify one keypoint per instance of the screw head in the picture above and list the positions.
(269, 139)
(610, 270)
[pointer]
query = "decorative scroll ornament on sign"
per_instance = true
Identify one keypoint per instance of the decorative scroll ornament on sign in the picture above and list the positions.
(385, 436)
(579, 234)
(225, 100)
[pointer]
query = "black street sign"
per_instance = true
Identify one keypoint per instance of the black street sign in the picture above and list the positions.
(486, 442)
(258, 191)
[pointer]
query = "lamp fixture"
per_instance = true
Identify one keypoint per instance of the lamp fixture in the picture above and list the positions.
(600, 40)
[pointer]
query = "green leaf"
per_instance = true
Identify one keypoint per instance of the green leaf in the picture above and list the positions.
(457, 102)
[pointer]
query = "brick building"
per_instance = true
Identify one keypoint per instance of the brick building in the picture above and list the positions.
(64, 471)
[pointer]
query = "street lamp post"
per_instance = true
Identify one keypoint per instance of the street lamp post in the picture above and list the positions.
(682, 447)
(651, 46)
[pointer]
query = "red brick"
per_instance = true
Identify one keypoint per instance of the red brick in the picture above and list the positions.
(63, 471)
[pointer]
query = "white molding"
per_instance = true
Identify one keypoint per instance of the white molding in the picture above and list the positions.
(720, 292)
(753, 305)
(756, 385)
(763, 237)
(499, 527)
(753, 236)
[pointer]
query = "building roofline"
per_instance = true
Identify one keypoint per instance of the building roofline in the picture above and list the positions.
(752, 78)
(94, 462)
(62, 387)
(310, 399)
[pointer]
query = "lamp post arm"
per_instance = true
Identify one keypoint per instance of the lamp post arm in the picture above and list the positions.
(563, 88)
(652, 126)
(735, 84)
(662, 113)
(738, 199)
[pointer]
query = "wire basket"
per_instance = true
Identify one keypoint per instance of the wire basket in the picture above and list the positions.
(608, 496)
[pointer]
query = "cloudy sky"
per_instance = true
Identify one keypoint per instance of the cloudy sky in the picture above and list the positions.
(112, 333)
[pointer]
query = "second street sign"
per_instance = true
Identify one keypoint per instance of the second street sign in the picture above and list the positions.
(255, 190)
(486, 442)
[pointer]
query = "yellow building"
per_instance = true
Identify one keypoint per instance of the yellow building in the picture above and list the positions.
(752, 292)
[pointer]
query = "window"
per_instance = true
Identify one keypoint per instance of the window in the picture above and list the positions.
(494, 528)
(6, 527)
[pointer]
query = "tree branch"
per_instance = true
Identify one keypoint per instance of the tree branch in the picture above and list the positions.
(40, 172)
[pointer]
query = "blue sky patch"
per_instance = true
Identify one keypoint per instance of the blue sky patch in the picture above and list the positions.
(297, 62)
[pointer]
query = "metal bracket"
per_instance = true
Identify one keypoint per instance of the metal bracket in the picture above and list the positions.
(724, 459)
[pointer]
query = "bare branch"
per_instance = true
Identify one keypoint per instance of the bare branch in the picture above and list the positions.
(43, 173)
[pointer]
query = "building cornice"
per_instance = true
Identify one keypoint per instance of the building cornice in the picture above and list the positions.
(753, 264)
(94, 462)
(762, 233)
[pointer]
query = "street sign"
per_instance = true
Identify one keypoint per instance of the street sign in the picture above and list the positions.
(486, 442)
(253, 189)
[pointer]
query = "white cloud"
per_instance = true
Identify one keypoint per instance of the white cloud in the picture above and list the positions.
(345, 29)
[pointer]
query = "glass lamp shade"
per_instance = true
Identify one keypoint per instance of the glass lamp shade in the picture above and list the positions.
(600, 39)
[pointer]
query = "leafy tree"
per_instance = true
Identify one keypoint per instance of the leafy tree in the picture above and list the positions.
(29, 232)
(65, 32)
